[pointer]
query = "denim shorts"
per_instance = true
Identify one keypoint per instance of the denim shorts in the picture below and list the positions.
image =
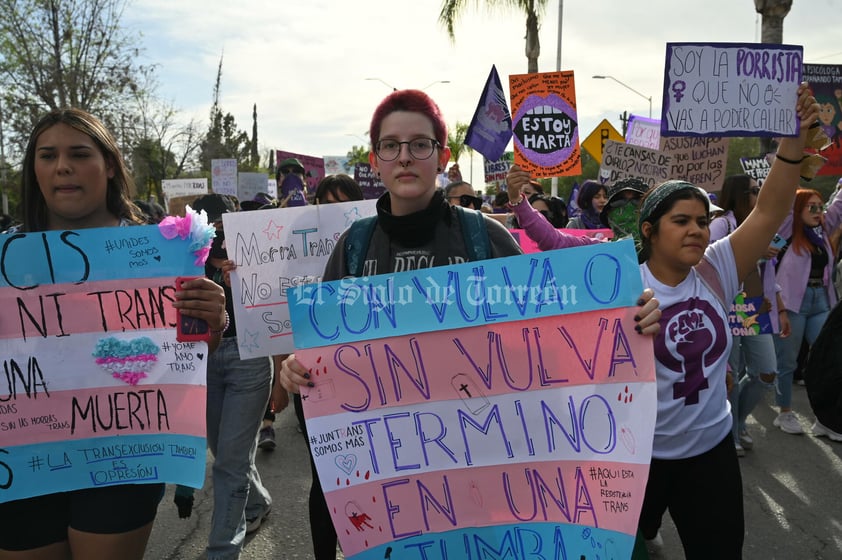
(43, 520)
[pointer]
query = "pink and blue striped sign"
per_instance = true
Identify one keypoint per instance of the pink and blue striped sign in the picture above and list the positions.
(515, 434)
(94, 388)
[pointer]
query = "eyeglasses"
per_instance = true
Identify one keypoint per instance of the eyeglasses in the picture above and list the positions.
(288, 170)
(468, 201)
(814, 208)
(419, 148)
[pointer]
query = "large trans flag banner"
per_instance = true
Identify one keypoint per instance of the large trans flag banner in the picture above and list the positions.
(494, 409)
(94, 389)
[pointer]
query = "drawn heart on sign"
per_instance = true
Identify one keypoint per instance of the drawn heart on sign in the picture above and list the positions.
(126, 360)
(200, 355)
(346, 463)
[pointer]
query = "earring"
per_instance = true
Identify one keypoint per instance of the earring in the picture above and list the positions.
(438, 169)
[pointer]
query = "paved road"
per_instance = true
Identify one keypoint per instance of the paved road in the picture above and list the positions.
(792, 488)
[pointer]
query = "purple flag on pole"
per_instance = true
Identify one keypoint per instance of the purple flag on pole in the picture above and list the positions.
(491, 127)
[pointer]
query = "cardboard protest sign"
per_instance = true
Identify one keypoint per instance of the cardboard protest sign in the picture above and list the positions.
(368, 181)
(175, 188)
(482, 409)
(826, 82)
(95, 389)
(644, 132)
(756, 167)
(224, 176)
(337, 164)
(314, 167)
(745, 318)
(621, 161)
(275, 250)
(250, 184)
(698, 160)
(496, 171)
(546, 131)
(731, 89)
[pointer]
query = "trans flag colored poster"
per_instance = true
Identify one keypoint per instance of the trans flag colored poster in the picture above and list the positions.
(95, 390)
(493, 409)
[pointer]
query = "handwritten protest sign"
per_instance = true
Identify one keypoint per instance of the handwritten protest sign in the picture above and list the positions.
(224, 176)
(496, 171)
(621, 161)
(95, 390)
(509, 407)
(756, 167)
(644, 132)
(337, 164)
(745, 318)
(731, 89)
(175, 188)
(275, 250)
(546, 131)
(698, 160)
(826, 82)
(368, 181)
(250, 184)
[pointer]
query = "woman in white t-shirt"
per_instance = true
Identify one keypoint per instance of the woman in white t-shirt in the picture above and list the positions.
(694, 471)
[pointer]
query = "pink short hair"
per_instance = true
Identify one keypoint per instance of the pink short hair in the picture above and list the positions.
(413, 101)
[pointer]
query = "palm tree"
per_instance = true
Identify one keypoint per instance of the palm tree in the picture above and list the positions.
(452, 9)
(357, 154)
(456, 141)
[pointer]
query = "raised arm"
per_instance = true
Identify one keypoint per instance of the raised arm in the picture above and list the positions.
(751, 239)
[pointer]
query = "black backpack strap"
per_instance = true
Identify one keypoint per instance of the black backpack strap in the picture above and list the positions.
(356, 244)
(475, 234)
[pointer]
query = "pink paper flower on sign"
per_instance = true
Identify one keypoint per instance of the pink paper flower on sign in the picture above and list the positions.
(193, 225)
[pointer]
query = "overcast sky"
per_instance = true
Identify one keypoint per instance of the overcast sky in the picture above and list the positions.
(305, 63)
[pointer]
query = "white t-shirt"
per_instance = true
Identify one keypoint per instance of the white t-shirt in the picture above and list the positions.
(691, 353)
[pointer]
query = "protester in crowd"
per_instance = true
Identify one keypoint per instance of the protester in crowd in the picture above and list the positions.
(530, 190)
(622, 210)
(593, 196)
(543, 232)
(152, 211)
(804, 273)
(74, 177)
(461, 193)
(454, 174)
(291, 180)
(752, 358)
(498, 205)
(5, 222)
(237, 393)
(694, 470)
(260, 201)
(331, 189)
(408, 137)
(823, 375)
(551, 207)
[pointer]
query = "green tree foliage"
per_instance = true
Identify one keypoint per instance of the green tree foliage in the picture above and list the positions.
(61, 53)
(451, 10)
(456, 141)
(357, 154)
(223, 139)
